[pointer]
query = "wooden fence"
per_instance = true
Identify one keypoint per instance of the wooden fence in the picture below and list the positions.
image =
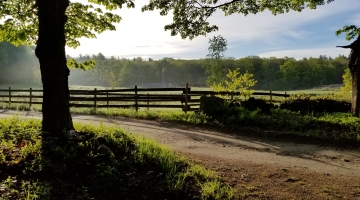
(182, 98)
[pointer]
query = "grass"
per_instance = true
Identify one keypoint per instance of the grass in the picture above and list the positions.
(33, 166)
(334, 127)
(328, 126)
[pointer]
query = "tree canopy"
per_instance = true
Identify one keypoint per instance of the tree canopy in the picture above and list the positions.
(21, 22)
(190, 17)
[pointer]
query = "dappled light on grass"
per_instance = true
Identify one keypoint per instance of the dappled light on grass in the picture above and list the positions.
(80, 170)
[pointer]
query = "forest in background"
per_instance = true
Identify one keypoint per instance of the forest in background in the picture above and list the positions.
(18, 65)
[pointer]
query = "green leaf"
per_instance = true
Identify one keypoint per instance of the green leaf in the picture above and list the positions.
(73, 64)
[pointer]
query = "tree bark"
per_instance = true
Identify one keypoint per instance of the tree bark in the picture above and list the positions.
(50, 51)
(355, 75)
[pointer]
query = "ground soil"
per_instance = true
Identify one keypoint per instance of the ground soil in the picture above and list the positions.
(257, 167)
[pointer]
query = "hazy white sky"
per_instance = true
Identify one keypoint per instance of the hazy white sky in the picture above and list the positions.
(298, 35)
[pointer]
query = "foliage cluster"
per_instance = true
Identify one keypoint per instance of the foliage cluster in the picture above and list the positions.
(346, 89)
(236, 82)
(213, 62)
(77, 169)
(20, 20)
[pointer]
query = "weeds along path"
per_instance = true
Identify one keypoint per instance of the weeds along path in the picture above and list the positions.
(215, 145)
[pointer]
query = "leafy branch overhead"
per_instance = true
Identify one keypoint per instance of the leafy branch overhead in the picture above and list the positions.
(86, 65)
(84, 20)
(190, 16)
(351, 31)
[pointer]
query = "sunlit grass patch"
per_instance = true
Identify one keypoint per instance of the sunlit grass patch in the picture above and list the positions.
(79, 169)
(12, 188)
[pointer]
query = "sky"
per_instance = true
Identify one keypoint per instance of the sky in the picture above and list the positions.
(310, 33)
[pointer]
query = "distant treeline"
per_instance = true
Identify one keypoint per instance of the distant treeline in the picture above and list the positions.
(18, 65)
(271, 73)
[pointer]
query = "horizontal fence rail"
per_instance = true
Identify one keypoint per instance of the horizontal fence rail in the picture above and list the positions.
(182, 98)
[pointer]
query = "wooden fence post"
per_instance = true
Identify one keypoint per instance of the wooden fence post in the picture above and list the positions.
(186, 97)
(95, 98)
(107, 99)
(30, 98)
(148, 100)
(10, 95)
(136, 99)
(270, 96)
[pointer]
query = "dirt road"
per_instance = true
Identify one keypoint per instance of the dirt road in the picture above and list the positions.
(211, 144)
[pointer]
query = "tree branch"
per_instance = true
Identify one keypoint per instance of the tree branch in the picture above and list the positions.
(215, 7)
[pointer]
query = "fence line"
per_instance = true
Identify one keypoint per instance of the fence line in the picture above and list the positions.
(187, 100)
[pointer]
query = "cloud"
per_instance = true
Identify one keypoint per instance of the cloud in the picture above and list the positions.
(301, 53)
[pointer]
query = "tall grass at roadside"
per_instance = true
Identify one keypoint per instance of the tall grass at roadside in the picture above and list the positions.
(76, 170)
(19, 106)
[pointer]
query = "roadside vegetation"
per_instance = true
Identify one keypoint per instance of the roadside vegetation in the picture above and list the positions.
(108, 164)
(336, 127)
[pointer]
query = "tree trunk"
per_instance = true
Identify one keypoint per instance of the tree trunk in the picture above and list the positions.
(50, 51)
(354, 66)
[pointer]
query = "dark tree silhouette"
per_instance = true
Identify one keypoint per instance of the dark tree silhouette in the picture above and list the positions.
(354, 66)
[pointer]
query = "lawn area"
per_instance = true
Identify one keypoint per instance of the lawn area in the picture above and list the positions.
(107, 163)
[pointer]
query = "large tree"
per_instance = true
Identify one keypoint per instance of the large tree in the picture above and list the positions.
(52, 24)
(354, 67)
